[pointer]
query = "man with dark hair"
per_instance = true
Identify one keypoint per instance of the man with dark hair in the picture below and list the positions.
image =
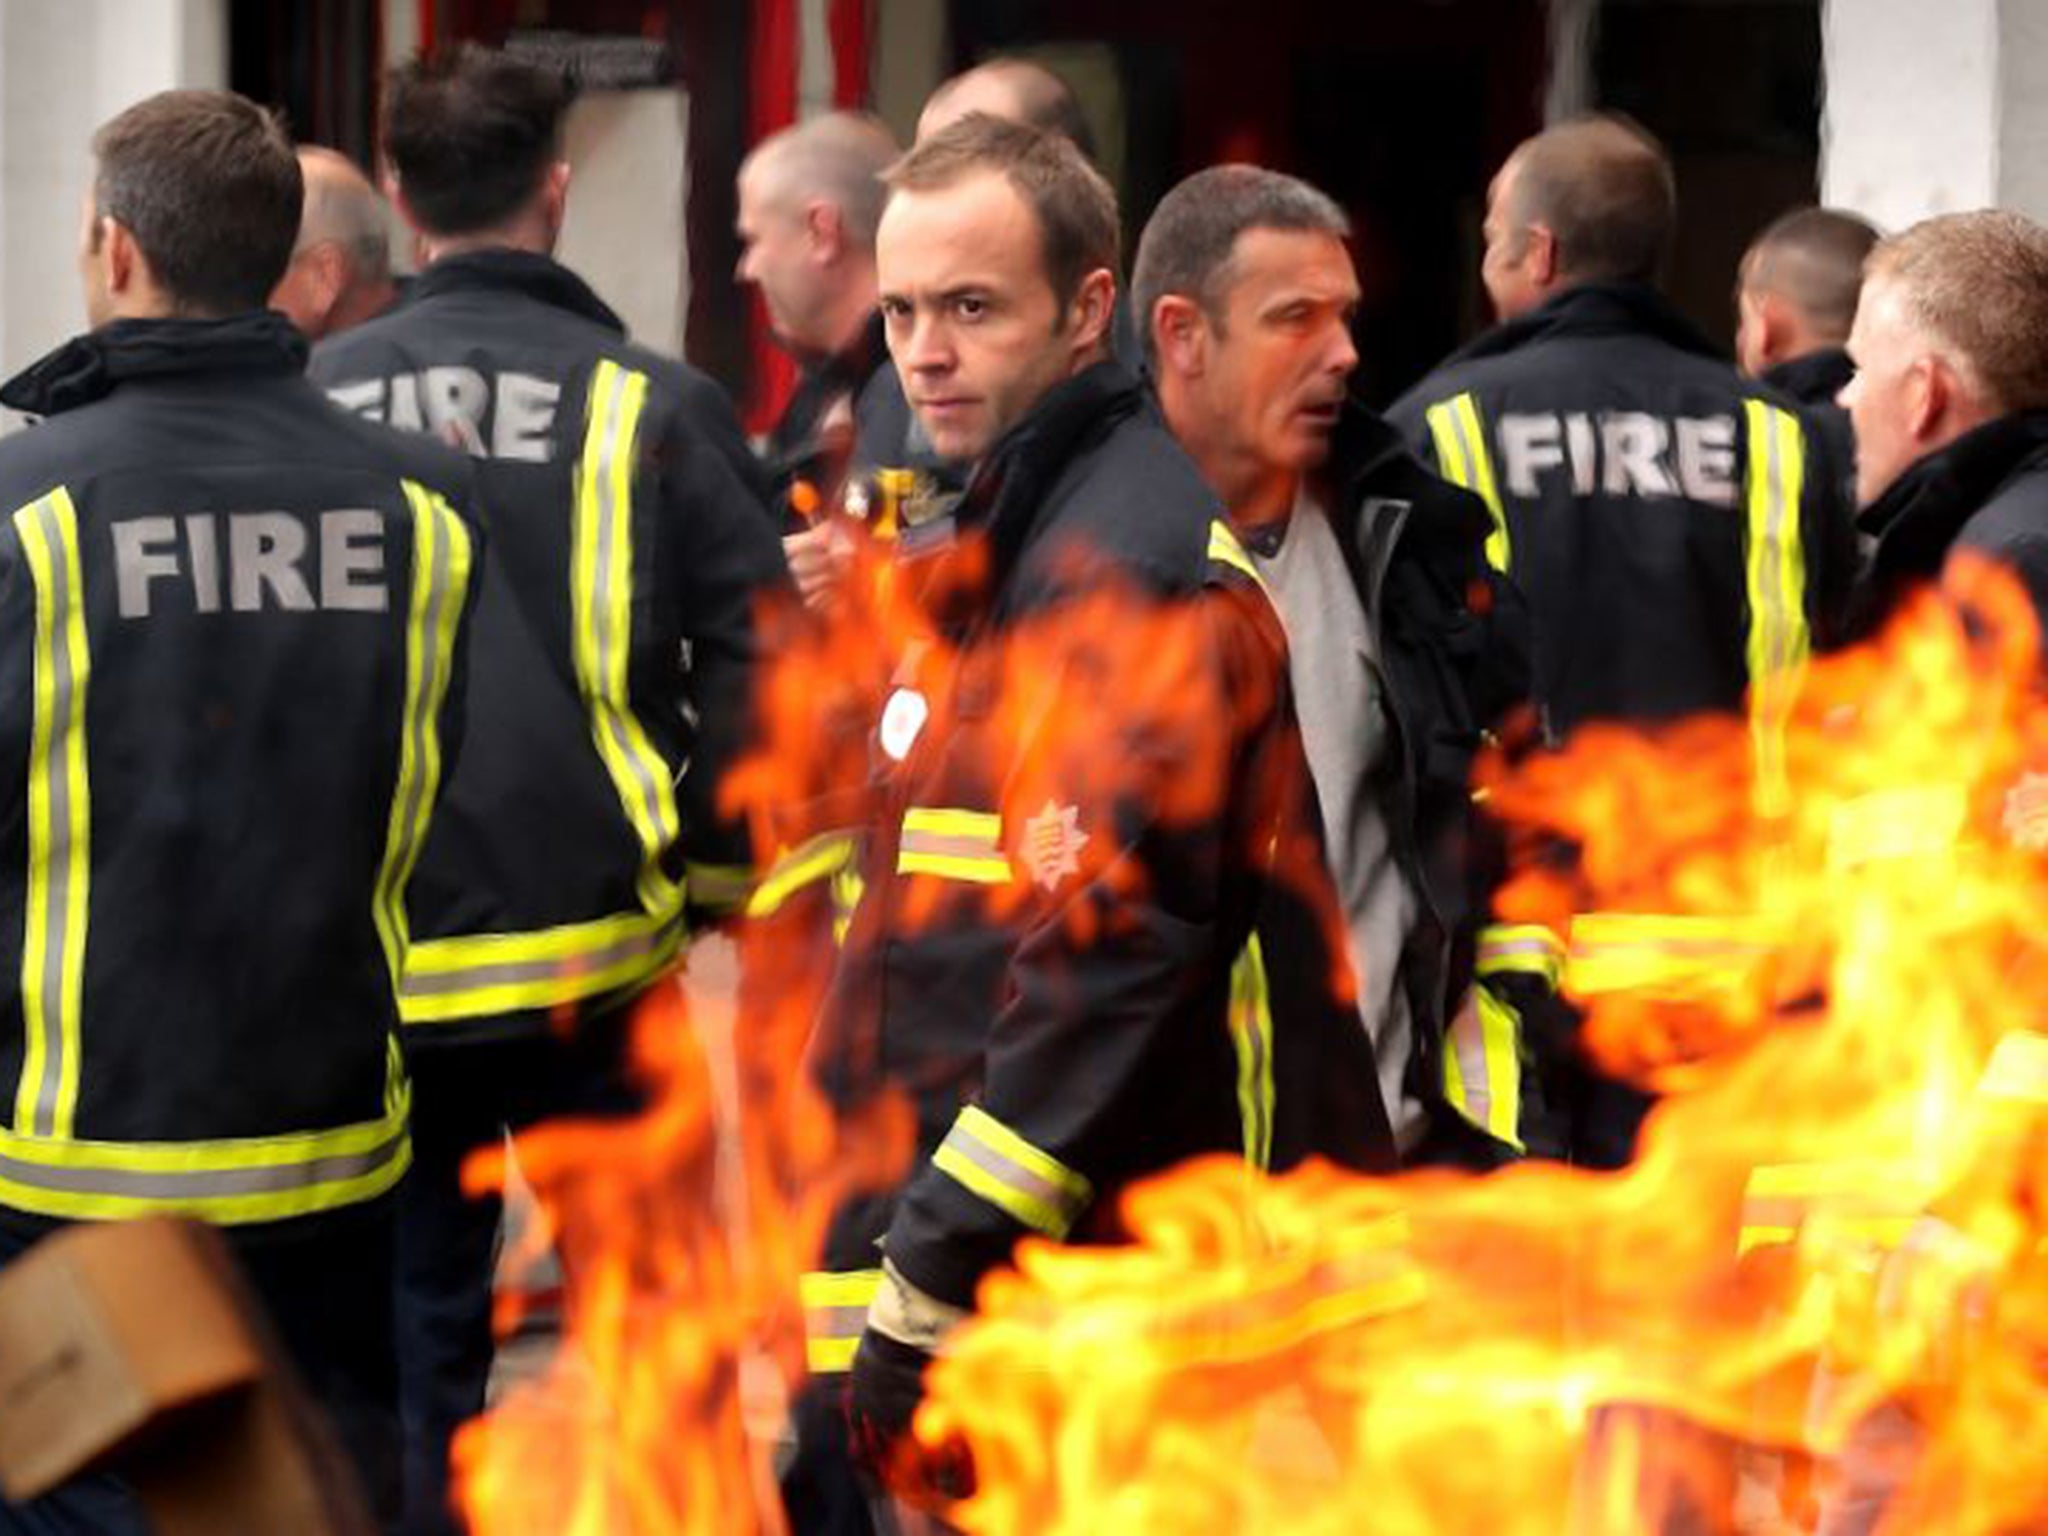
(1094, 831)
(1403, 645)
(615, 644)
(340, 271)
(1678, 534)
(231, 639)
(1795, 299)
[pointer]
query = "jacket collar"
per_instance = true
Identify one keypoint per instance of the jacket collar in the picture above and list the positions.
(1006, 493)
(89, 367)
(1593, 309)
(1918, 516)
(1814, 379)
(509, 271)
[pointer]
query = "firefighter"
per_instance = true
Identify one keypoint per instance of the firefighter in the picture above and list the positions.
(573, 847)
(1950, 406)
(1678, 534)
(1794, 301)
(1088, 944)
(1405, 646)
(340, 271)
(233, 652)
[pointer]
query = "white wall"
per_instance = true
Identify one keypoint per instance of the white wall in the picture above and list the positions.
(66, 66)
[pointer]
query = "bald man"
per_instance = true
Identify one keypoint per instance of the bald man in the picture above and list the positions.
(809, 199)
(1677, 532)
(1016, 90)
(340, 272)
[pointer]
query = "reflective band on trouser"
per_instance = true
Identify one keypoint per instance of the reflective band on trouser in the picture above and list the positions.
(1004, 1169)
(1226, 549)
(719, 888)
(954, 845)
(820, 858)
(226, 1182)
(2018, 1069)
(1460, 439)
(1867, 1202)
(479, 974)
(1483, 1066)
(835, 1314)
(601, 613)
(1251, 1036)
(59, 823)
(442, 562)
(1522, 949)
(1663, 954)
(1776, 579)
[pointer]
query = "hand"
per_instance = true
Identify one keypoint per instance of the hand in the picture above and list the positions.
(887, 1386)
(819, 559)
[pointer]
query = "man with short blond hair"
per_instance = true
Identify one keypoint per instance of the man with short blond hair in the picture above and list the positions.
(1950, 404)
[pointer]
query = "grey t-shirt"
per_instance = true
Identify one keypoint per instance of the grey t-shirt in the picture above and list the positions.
(1341, 700)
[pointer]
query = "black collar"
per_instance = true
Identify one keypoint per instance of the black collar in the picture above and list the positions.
(1814, 379)
(1007, 491)
(1593, 309)
(1919, 514)
(524, 272)
(89, 367)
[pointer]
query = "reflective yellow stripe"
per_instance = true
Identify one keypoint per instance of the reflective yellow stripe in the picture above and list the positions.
(1226, 549)
(1776, 578)
(472, 975)
(1871, 1201)
(59, 823)
(954, 845)
(601, 603)
(1460, 439)
(718, 887)
(441, 566)
(228, 1182)
(1662, 953)
(1522, 948)
(835, 1314)
(1251, 1036)
(821, 858)
(1483, 1066)
(2018, 1068)
(1004, 1169)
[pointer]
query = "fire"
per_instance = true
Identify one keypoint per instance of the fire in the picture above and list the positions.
(1831, 1242)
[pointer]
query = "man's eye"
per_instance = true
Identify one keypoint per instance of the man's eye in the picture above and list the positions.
(895, 310)
(969, 307)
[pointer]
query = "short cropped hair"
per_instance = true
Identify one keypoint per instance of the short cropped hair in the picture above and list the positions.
(1190, 240)
(1044, 100)
(1813, 258)
(1603, 187)
(346, 209)
(1977, 284)
(838, 157)
(208, 184)
(1074, 206)
(471, 133)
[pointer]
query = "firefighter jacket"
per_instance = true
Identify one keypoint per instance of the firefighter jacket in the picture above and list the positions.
(1095, 935)
(615, 640)
(1986, 492)
(1452, 638)
(230, 660)
(1678, 533)
(1812, 382)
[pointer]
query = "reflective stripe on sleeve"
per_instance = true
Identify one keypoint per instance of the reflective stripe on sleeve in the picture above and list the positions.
(59, 823)
(1460, 438)
(478, 974)
(1483, 1066)
(1251, 1036)
(718, 887)
(820, 858)
(1873, 1202)
(1775, 571)
(835, 1307)
(1001, 1167)
(1663, 953)
(954, 845)
(1527, 949)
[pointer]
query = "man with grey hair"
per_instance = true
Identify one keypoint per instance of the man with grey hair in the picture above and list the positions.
(1950, 405)
(1246, 291)
(340, 272)
(809, 200)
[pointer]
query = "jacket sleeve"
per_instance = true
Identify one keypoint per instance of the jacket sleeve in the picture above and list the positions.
(1134, 816)
(726, 569)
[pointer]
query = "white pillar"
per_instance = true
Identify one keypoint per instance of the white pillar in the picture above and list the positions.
(65, 68)
(1935, 108)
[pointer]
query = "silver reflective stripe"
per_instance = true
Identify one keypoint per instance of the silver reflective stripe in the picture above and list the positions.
(202, 1184)
(1014, 1175)
(518, 972)
(420, 724)
(950, 846)
(835, 1322)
